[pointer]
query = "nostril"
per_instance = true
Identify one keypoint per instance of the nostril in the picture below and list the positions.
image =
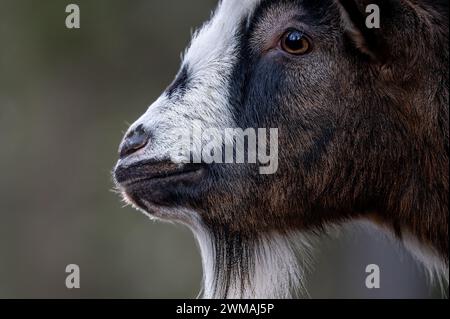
(134, 141)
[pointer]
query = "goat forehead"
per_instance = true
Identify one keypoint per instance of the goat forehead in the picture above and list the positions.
(217, 40)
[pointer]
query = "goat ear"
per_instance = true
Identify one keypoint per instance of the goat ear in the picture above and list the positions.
(367, 39)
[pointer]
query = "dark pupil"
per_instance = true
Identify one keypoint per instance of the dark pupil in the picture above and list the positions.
(294, 41)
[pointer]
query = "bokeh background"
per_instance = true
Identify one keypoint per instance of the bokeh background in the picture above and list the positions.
(66, 97)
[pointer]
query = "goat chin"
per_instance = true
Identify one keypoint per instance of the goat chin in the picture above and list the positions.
(271, 266)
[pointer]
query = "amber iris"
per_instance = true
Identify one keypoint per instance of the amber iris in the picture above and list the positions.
(295, 42)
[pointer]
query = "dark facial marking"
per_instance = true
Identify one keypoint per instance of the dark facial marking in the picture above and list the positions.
(180, 84)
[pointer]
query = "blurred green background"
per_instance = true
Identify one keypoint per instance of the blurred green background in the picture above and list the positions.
(66, 97)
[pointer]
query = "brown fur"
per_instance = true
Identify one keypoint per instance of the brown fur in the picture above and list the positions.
(380, 146)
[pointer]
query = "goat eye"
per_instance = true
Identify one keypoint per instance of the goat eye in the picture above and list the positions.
(295, 42)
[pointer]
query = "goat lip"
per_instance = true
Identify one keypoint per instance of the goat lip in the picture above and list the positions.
(147, 171)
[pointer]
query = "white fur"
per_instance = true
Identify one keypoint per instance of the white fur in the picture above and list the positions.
(436, 268)
(209, 61)
(277, 272)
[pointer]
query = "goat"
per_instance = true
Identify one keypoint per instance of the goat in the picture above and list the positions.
(363, 132)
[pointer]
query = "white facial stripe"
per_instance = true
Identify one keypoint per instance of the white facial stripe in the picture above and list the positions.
(209, 61)
(216, 42)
